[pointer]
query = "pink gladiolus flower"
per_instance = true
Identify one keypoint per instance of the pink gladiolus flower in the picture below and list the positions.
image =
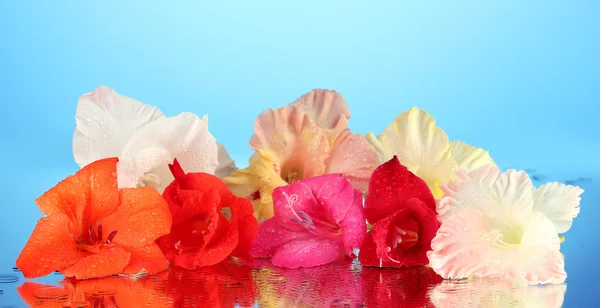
(317, 220)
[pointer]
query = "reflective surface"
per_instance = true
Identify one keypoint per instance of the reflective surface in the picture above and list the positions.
(343, 284)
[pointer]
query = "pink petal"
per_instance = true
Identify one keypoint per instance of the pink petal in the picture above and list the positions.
(354, 157)
(271, 236)
(325, 107)
(334, 193)
(354, 226)
(307, 253)
(390, 186)
(291, 201)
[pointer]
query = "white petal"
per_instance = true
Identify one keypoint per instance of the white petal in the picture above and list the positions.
(226, 164)
(184, 137)
(469, 157)
(504, 197)
(105, 122)
(559, 202)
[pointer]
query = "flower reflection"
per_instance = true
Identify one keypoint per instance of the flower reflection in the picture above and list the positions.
(404, 287)
(490, 292)
(336, 284)
(224, 285)
(114, 291)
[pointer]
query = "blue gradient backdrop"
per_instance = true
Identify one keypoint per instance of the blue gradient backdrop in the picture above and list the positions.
(519, 78)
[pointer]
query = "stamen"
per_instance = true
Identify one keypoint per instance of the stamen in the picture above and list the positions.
(111, 236)
(93, 236)
(305, 216)
(99, 233)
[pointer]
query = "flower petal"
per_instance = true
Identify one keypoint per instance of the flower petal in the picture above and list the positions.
(469, 157)
(153, 147)
(105, 122)
(226, 164)
(271, 236)
(559, 202)
(51, 247)
(420, 145)
(391, 185)
(368, 254)
(334, 193)
(307, 253)
(354, 157)
(297, 145)
(293, 201)
(141, 218)
(99, 181)
(354, 225)
(146, 258)
(69, 198)
(242, 219)
(107, 262)
(505, 197)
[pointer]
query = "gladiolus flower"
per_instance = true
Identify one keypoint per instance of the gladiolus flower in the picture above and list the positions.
(91, 229)
(426, 150)
(317, 220)
(112, 125)
(307, 138)
(497, 224)
(209, 222)
(401, 209)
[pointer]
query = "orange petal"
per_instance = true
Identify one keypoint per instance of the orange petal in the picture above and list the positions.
(51, 247)
(149, 258)
(99, 181)
(67, 197)
(141, 218)
(107, 262)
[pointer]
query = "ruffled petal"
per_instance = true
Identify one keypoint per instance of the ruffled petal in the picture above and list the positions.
(107, 262)
(271, 236)
(420, 145)
(460, 249)
(298, 146)
(354, 157)
(327, 108)
(105, 122)
(153, 147)
(142, 217)
(391, 185)
(469, 157)
(559, 202)
(99, 181)
(505, 197)
(149, 259)
(307, 253)
(51, 247)
(226, 164)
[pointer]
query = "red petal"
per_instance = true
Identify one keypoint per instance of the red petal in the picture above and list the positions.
(243, 214)
(149, 258)
(368, 254)
(51, 247)
(390, 186)
(109, 261)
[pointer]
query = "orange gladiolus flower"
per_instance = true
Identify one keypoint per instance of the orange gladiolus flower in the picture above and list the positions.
(91, 229)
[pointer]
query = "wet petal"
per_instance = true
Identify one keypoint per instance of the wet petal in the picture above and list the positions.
(292, 201)
(51, 247)
(99, 181)
(334, 193)
(146, 258)
(226, 164)
(391, 185)
(69, 198)
(142, 217)
(559, 202)
(105, 122)
(420, 145)
(242, 219)
(469, 157)
(354, 226)
(153, 147)
(109, 261)
(368, 254)
(271, 236)
(307, 253)
(354, 157)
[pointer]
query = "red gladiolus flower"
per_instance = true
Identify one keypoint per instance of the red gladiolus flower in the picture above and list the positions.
(209, 222)
(401, 208)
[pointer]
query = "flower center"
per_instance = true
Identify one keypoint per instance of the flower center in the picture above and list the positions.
(198, 228)
(92, 241)
(404, 237)
(313, 225)
(292, 173)
(149, 179)
(497, 239)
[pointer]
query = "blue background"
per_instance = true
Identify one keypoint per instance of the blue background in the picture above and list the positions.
(518, 78)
